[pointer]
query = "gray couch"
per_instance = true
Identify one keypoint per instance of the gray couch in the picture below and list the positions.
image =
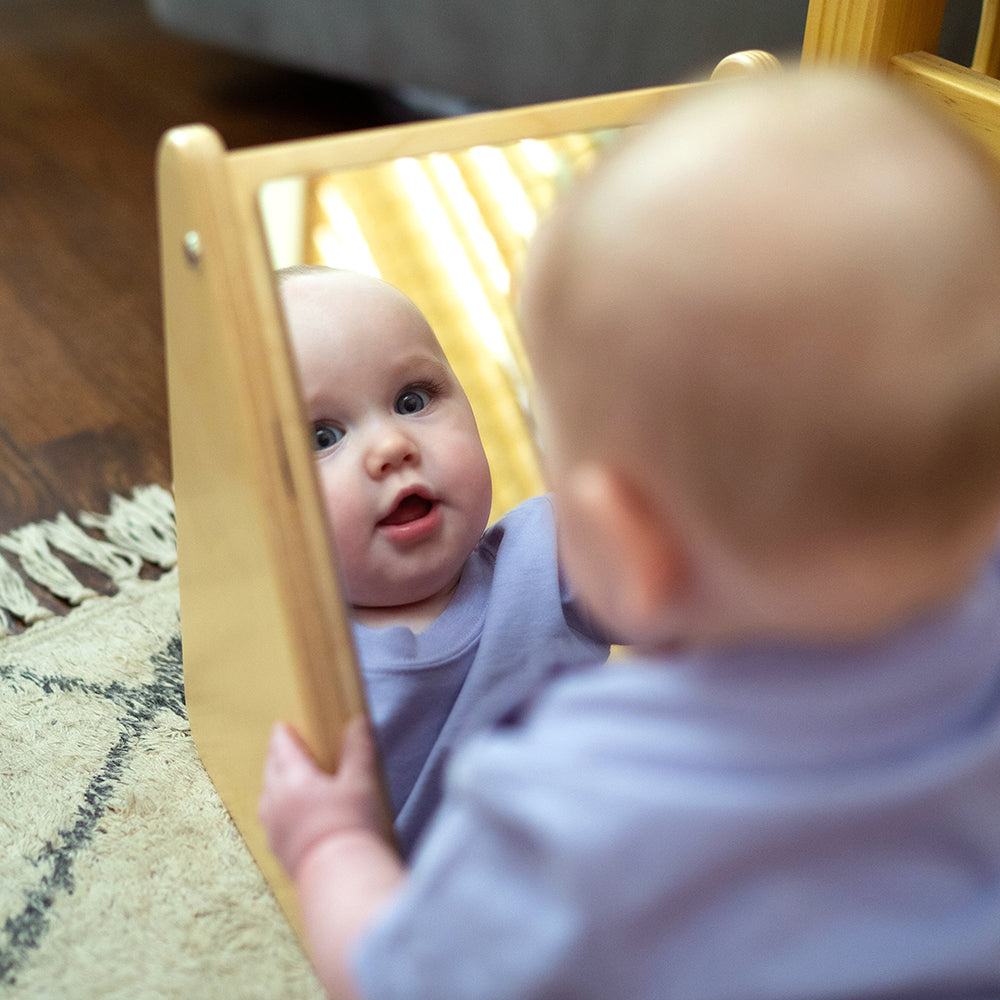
(499, 53)
(496, 53)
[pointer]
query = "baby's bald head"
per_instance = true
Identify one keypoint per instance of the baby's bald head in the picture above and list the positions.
(782, 300)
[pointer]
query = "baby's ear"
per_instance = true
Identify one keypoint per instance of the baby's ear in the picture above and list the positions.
(633, 544)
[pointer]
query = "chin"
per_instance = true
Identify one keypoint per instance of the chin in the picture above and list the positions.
(407, 595)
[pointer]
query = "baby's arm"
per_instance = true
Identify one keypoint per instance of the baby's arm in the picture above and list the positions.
(325, 830)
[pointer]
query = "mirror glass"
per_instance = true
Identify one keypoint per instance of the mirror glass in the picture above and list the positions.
(450, 230)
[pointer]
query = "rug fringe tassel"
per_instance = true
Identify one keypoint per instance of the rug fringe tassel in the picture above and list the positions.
(17, 599)
(136, 530)
(144, 525)
(40, 563)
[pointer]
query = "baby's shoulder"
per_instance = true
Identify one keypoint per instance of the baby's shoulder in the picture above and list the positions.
(528, 526)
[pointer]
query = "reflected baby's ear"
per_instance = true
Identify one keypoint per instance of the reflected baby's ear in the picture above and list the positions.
(633, 552)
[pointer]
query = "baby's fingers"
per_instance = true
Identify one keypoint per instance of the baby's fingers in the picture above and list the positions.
(288, 774)
(357, 749)
(286, 756)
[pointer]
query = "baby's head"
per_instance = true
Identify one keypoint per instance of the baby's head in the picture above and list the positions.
(766, 334)
(401, 467)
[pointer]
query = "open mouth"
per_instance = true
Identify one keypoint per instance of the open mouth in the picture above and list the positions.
(410, 508)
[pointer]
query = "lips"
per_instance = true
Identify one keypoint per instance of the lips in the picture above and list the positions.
(414, 519)
(411, 507)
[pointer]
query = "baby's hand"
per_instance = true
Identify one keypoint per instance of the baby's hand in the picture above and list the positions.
(302, 805)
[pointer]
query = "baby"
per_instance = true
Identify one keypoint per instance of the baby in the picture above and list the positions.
(766, 336)
(452, 627)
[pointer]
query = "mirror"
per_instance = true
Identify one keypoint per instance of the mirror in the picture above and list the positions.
(450, 230)
(441, 209)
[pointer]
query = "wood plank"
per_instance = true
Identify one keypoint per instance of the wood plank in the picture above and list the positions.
(973, 99)
(869, 32)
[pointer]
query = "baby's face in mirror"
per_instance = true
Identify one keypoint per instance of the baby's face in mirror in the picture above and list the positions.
(402, 470)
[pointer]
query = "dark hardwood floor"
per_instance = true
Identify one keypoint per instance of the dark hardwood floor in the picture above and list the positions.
(89, 88)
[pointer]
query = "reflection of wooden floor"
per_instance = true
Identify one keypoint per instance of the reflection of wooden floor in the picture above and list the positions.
(88, 90)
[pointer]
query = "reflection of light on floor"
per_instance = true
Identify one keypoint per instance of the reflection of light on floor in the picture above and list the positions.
(340, 242)
(472, 219)
(540, 155)
(506, 188)
(454, 261)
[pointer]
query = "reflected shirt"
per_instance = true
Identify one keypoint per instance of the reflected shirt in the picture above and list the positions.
(779, 822)
(510, 622)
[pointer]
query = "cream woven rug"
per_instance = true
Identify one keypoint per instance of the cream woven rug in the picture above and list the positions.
(121, 873)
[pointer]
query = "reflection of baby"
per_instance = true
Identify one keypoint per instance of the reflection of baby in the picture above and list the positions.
(453, 628)
(765, 336)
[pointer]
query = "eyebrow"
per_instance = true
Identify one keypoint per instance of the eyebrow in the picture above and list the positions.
(428, 360)
(398, 369)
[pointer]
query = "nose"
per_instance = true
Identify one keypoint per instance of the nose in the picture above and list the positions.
(390, 448)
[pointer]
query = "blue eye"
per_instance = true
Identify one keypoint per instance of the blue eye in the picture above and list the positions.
(325, 436)
(412, 400)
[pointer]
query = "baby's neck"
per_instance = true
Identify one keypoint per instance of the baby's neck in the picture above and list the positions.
(843, 601)
(416, 616)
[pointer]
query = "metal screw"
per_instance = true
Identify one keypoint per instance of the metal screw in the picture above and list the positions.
(192, 247)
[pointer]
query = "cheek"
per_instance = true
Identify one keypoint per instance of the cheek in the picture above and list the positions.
(573, 555)
(585, 566)
(347, 513)
(460, 451)
(473, 471)
(472, 467)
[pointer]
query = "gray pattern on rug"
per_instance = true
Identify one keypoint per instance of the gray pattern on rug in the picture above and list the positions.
(141, 705)
(121, 873)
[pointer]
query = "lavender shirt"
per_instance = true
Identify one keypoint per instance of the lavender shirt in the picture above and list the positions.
(782, 822)
(510, 620)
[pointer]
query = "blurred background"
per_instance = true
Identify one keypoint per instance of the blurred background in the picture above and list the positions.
(89, 88)
(91, 85)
